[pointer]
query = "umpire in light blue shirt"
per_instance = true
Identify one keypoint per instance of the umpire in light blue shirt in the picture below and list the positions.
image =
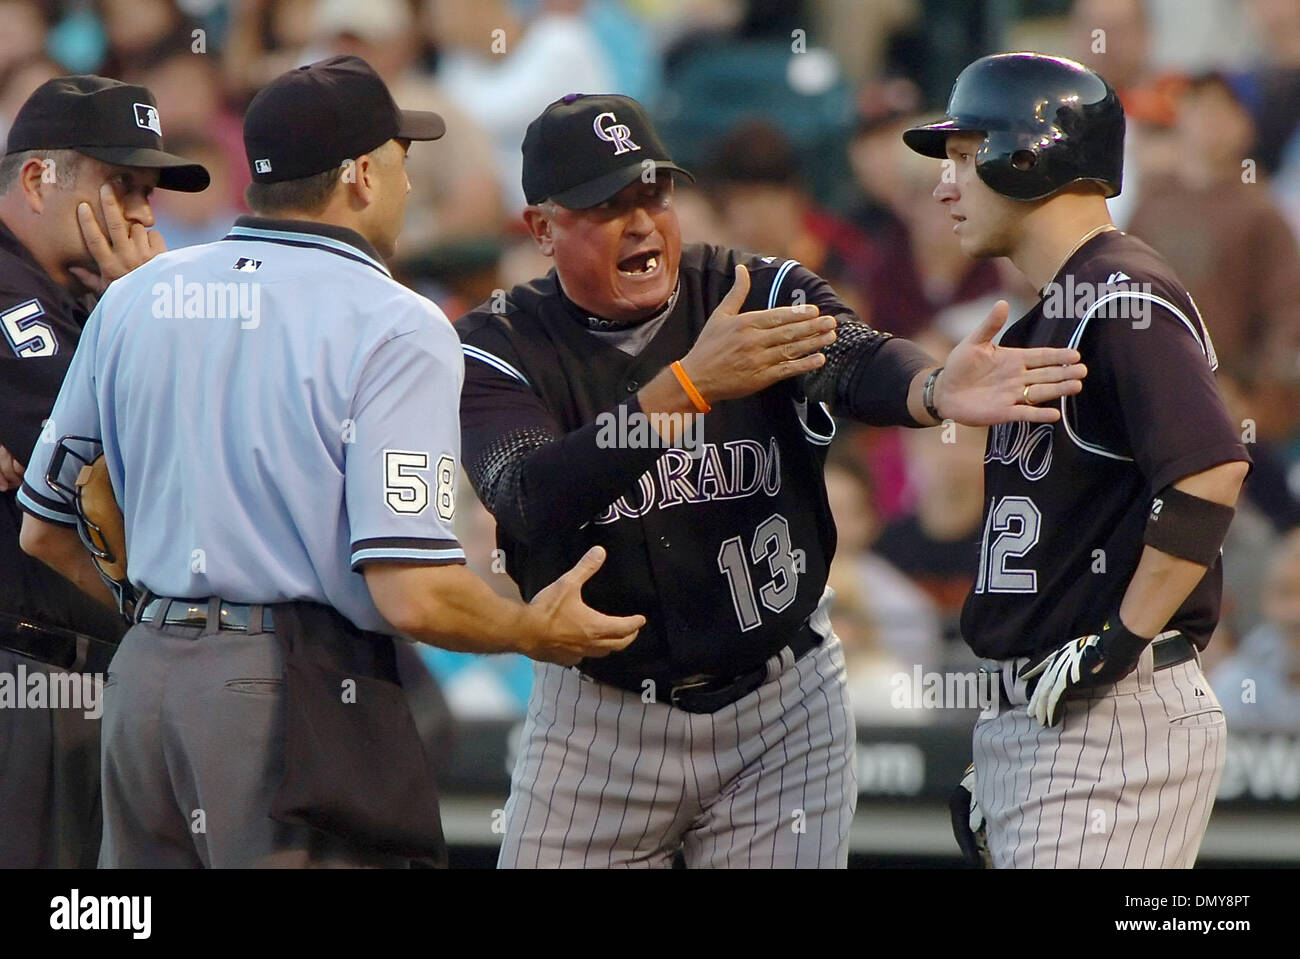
(279, 420)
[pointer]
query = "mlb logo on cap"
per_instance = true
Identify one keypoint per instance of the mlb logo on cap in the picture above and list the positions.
(146, 117)
(262, 166)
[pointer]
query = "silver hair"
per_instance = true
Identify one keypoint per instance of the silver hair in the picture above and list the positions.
(63, 163)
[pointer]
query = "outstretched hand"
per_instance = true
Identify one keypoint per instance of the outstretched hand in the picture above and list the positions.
(983, 384)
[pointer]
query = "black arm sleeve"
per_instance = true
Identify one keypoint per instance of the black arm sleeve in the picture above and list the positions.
(530, 477)
(867, 372)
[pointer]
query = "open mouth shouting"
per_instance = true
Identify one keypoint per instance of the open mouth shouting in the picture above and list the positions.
(641, 266)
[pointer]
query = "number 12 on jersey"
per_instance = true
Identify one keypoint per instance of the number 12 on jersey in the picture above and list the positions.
(1016, 521)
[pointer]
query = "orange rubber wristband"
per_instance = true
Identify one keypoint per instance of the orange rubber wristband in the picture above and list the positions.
(696, 397)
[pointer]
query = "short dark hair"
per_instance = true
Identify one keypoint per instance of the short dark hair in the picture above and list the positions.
(307, 194)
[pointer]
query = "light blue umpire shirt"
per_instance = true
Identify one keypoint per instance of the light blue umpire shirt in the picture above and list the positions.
(275, 410)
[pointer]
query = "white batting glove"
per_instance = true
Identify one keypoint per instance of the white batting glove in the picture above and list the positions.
(1099, 659)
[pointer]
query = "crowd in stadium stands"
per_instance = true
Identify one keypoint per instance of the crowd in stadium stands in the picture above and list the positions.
(790, 113)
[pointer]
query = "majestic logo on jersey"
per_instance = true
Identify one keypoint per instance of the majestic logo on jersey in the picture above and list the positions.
(1156, 507)
(247, 265)
(610, 130)
(146, 117)
(734, 470)
(1024, 445)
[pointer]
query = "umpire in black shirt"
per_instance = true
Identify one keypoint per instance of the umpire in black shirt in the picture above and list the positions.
(82, 157)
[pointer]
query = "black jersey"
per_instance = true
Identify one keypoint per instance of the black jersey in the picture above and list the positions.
(42, 323)
(1067, 502)
(725, 548)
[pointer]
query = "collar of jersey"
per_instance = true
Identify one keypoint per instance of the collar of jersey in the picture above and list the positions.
(598, 324)
(323, 236)
(1073, 261)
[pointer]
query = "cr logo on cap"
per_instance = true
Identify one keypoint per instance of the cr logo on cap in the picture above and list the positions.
(615, 133)
(146, 117)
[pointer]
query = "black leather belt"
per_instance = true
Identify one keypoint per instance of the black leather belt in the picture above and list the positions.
(194, 612)
(1172, 651)
(54, 645)
(708, 694)
(1167, 649)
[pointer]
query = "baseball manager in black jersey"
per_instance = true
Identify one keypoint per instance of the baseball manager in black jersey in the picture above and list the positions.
(673, 405)
(1100, 571)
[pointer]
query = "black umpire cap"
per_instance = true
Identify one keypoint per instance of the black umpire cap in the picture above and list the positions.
(105, 119)
(584, 148)
(312, 119)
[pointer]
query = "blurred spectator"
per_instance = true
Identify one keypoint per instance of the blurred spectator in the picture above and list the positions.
(697, 215)
(763, 207)
(1114, 38)
(187, 219)
(23, 36)
(1259, 686)
(717, 80)
(265, 38)
(503, 72)
(1121, 51)
(19, 82)
(138, 29)
(1233, 248)
(188, 88)
(455, 193)
(1275, 94)
(915, 266)
(886, 623)
(1276, 81)
(885, 110)
(630, 49)
(936, 544)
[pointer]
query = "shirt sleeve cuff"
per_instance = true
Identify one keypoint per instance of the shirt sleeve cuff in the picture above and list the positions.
(42, 507)
(1198, 462)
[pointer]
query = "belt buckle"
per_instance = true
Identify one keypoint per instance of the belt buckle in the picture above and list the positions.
(195, 615)
(227, 618)
(688, 685)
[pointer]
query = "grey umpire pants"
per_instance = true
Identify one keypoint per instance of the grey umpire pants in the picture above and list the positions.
(193, 736)
(49, 780)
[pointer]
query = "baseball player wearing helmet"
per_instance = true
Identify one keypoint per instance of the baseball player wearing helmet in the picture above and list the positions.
(669, 402)
(1100, 572)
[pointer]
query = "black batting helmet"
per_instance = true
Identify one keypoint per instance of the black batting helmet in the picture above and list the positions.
(1047, 122)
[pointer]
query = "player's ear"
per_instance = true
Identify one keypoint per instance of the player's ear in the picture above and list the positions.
(35, 173)
(539, 228)
(359, 178)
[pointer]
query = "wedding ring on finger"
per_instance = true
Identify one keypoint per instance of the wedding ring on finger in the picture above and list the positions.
(1025, 394)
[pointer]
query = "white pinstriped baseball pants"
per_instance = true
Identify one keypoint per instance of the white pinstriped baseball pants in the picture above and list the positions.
(1127, 779)
(604, 779)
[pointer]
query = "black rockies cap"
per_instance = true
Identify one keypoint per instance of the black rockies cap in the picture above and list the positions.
(584, 148)
(105, 119)
(311, 119)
